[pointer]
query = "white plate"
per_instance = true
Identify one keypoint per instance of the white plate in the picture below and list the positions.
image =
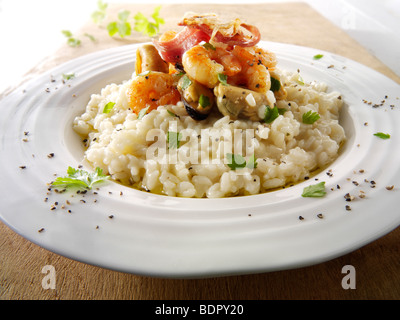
(174, 237)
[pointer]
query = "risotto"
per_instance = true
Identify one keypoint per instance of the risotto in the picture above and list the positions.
(165, 149)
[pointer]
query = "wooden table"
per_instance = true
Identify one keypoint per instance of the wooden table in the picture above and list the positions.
(377, 264)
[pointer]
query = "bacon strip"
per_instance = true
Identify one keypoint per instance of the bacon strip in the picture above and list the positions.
(172, 50)
(239, 39)
(197, 30)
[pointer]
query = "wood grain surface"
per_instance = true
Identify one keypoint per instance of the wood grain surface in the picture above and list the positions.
(377, 264)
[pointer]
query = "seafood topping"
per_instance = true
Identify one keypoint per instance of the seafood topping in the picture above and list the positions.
(208, 65)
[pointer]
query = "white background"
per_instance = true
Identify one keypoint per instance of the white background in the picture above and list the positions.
(30, 30)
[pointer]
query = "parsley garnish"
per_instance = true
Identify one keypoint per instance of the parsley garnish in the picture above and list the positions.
(172, 114)
(237, 161)
(318, 56)
(68, 76)
(208, 45)
(275, 84)
(71, 41)
(108, 107)
(174, 139)
(382, 135)
(223, 78)
(142, 113)
(271, 114)
(99, 15)
(204, 101)
(122, 26)
(186, 82)
(80, 179)
(315, 191)
(252, 162)
(143, 25)
(310, 117)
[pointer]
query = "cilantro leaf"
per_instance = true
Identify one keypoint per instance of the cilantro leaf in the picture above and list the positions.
(382, 135)
(174, 139)
(271, 114)
(310, 117)
(315, 191)
(108, 107)
(81, 179)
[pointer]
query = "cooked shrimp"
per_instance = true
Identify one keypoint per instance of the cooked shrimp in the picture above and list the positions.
(152, 90)
(203, 64)
(255, 63)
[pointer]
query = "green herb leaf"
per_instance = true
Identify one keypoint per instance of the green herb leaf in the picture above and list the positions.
(300, 80)
(99, 15)
(186, 82)
(315, 191)
(235, 161)
(271, 114)
(252, 162)
(382, 135)
(143, 25)
(92, 38)
(281, 111)
(208, 45)
(123, 15)
(68, 76)
(204, 101)
(310, 117)
(174, 139)
(144, 73)
(172, 114)
(67, 33)
(112, 28)
(80, 179)
(275, 84)
(223, 78)
(124, 29)
(108, 107)
(122, 26)
(318, 56)
(142, 113)
(71, 41)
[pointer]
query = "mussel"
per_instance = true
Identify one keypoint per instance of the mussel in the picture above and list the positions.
(197, 98)
(148, 59)
(237, 102)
